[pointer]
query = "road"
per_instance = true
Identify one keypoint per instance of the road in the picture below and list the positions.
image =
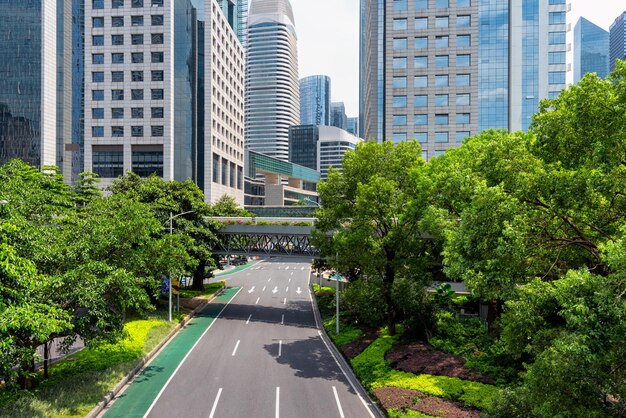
(262, 357)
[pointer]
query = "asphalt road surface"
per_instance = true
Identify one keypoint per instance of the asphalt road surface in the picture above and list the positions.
(263, 357)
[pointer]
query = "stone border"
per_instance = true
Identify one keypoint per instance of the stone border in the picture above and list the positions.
(97, 410)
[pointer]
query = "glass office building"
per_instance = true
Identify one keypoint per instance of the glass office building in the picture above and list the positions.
(338, 116)
(315, 100)
(353, 126)
(591, 50)
(617, 41)
(303, 145)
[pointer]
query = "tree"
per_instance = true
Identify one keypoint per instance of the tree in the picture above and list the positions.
(227, 206)
(369, 222)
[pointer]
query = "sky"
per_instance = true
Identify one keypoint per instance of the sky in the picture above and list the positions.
(328, 40)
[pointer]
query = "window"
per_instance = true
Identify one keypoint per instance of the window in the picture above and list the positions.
(97, 4)
(117, 76)
(157, 94)
(441, 137)
(399, 120)
(117, 131)
(116, 4)
(136, 20)
(399, 63)
(399, 5)
(136, 39)
(463, 3)
(117, 113)
(441, 119)
(157, 20)
(421, 23)
(399, 101)
(136, 94)
(156, 38)
(421, 42)
(462, 80)
(136, 3)
(420, 100)
(556, 77)
(136, 112)
(117, 94)
(97, 95)
(399, 24)
(441, 80)
(157, 3)
(420, 62)
(97, 131)
(441, 100)
(117, 21)
(399, 82)
(157, 56)
(157, 130)
(117, 39)
(421, 119)
(462, 118)
(136, 57)
(97, 77)
(97, 22)
(147, 161)
(420, 81)
(553, 94)
(421, 137)
(97, 40)
(117, 58)
(463, 41)
(97, 58)
(556, 57)
(463, 60)
(400, 44)
(463, 99)
(557, 2)
(157, 112)
(463, 21)
(441, 4)
(136, 131)
(441, 22)
(398, 136)
(421, 4)
(157, 75)
(136, 75)
(556, 38)
(557, 18)
(441, 41)
(97, 113)
(441, 61)
(216, 171)
(461, 135)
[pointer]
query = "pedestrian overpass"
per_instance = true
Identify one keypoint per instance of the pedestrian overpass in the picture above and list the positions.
(265, 237)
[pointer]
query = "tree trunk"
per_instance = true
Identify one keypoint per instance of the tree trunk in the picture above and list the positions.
(46, 356)
(198, 276)
(494, 309)
(388, 279)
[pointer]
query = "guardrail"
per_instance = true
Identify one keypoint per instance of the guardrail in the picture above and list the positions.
(256, 219)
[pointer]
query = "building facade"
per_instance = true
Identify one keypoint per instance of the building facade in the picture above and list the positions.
(353, 126)
(303, 141)
(315, 100)
(338, 116)
(617, 41)
(441, 70)
(591, 50)
(272, 101)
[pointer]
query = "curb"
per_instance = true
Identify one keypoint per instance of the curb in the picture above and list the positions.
(97, 410)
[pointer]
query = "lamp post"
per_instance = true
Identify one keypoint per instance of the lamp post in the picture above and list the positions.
(172, 216)
(337, 298)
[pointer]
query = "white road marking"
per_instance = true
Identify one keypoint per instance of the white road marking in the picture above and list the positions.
(289, 280)
(269, 279)
(292, 273)
(285, 301)
(287, 289)
(280, 347)
(287, 268)
(251, 289)
(249, 318)
(277, 402)
(282, 320)
(247, 274)
(236, 347)
(187, 355)
(257, 300)
(298, 291)
(275, 289)
(263, 289)
(338, 403)
(217, 398)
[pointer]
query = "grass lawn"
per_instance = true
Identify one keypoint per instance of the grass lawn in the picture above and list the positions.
(209, 289)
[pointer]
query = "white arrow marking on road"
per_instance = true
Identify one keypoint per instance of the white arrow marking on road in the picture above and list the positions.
(257, 300)
(217, 398)
(277, 401)
(280, 347)
(287, 268)
(251, 289)
(263, 289)
(248, 321)
(298, 291)
(282, 320)
(275, 289)
(338, 403)
(301, 268)
(236, 347)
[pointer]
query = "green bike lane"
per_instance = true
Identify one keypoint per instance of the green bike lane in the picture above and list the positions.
(136, 400)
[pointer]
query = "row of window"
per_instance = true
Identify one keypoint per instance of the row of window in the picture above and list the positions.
(422, 137)
(118, 76)
(119, 113)
(421, 23)
(421, 100)
(441, 80)
(118, 4)
(441, 61)
(440, 119)
(136, 39)
(135, 57)
(402, 5)
(135, 131)
(443, 41)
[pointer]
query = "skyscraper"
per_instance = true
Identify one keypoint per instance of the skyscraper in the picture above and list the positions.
(442, 70)
(272, 91)
(591, 50)
(617, 41)
(338, 116)
(353, 126)
(315, 100)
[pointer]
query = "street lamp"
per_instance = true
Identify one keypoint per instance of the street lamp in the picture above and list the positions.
(306, 199)
(172, 216)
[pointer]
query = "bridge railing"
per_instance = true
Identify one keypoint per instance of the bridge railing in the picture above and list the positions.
(257, 219)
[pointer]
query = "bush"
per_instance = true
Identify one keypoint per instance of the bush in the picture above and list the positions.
(363, 303)
(408, 413)
(416, 307)
(347, 332)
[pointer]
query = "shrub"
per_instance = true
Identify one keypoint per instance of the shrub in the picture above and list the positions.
(347, 332)
(363, 303)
